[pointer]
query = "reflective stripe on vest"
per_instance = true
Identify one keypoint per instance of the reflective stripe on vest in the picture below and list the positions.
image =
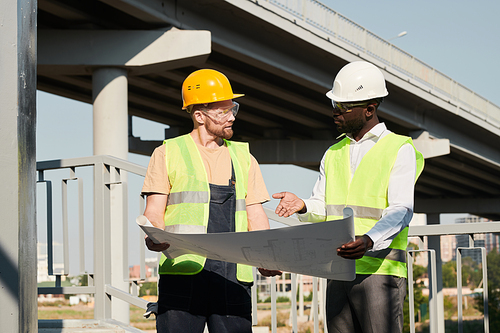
(366, 193)
(362, 212)
(198, 197)
(189, 199)
(391, 254)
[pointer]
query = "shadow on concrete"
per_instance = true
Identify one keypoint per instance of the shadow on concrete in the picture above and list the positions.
(9, 275)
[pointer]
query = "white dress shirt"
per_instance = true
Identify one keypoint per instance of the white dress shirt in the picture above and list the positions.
(398, 214)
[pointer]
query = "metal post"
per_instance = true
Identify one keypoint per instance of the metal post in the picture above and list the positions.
(274, 315)
(18, 249)
(485, 291)
(324, 284)
(314, 307)
(142, 248)
(301, 296)
(459, 285)
(470, 244)
(283, 284)
(110, 111)
(255, 296)
(293, 311)
(432, 288)
(411, 296)
(436, 314)
(48, 194)
(435, 325)
(102, 265)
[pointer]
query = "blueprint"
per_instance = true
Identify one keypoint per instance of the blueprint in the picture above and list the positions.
(308, 249)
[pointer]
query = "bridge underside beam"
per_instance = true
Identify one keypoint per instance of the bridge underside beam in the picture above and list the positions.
(306, 153)
(78, 52)
(476, 206)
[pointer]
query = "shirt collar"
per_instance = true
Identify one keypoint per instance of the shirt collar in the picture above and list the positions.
(376, 130)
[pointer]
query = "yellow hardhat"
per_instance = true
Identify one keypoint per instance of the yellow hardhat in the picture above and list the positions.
(206, 86)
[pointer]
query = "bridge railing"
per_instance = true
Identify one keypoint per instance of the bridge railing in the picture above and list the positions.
(109, 182)
(108, 172)
(336, 26)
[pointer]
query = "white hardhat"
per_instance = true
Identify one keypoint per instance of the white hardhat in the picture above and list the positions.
(358, 81)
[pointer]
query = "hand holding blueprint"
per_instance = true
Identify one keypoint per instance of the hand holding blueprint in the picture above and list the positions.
(309, 249)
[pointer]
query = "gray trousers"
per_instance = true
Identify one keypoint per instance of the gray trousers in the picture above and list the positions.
(369, 304)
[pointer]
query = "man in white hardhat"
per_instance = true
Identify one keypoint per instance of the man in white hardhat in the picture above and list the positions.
(373, 171)
(202, 182)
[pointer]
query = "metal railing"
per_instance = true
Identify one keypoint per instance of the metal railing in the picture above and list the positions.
(313, 14)
(319, 301)
(108, 172)
(469, 229)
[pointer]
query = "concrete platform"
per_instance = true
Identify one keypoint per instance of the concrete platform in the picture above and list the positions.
(84, 325)
(99, 326)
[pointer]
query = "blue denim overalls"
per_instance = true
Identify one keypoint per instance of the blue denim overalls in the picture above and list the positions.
(214, 295)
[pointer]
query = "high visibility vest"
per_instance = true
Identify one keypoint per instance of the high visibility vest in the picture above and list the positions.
(366, 194)
(189, 200)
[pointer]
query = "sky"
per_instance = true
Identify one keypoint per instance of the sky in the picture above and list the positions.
(455, 37)
(458, 38)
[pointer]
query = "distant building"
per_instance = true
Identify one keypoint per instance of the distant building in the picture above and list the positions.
(488, 241)
(420, 258)
(448, 247)
(151, 270)
(449, 243)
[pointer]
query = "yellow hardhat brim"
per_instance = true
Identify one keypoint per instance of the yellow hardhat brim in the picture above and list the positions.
(234, 96)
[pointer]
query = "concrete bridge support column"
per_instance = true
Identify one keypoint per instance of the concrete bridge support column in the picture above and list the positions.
(110, 100)
(110, 111)
(18, 251)
(436, 315)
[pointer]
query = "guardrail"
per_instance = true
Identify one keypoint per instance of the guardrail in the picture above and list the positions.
(456, 229)
(314, 14)
(108, 172)
(421, 232)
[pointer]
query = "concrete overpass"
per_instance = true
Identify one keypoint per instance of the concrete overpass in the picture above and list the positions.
(283, 59)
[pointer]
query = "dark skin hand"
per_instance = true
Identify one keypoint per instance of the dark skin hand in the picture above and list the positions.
(269, 272)
(355, 249)
(152, 246)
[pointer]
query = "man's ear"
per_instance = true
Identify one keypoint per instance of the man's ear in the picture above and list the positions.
(370, 110)
(199, 117)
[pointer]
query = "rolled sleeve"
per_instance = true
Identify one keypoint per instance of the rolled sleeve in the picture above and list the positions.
(257, 191)
(156, 180)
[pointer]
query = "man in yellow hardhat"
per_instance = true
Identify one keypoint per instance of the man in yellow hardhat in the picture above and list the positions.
(203, 183)
(373, 171)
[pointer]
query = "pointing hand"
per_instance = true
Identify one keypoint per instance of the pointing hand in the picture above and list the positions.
(289, 204)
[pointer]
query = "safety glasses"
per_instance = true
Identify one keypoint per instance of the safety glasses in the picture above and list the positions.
(221, 114)
(347, 107)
